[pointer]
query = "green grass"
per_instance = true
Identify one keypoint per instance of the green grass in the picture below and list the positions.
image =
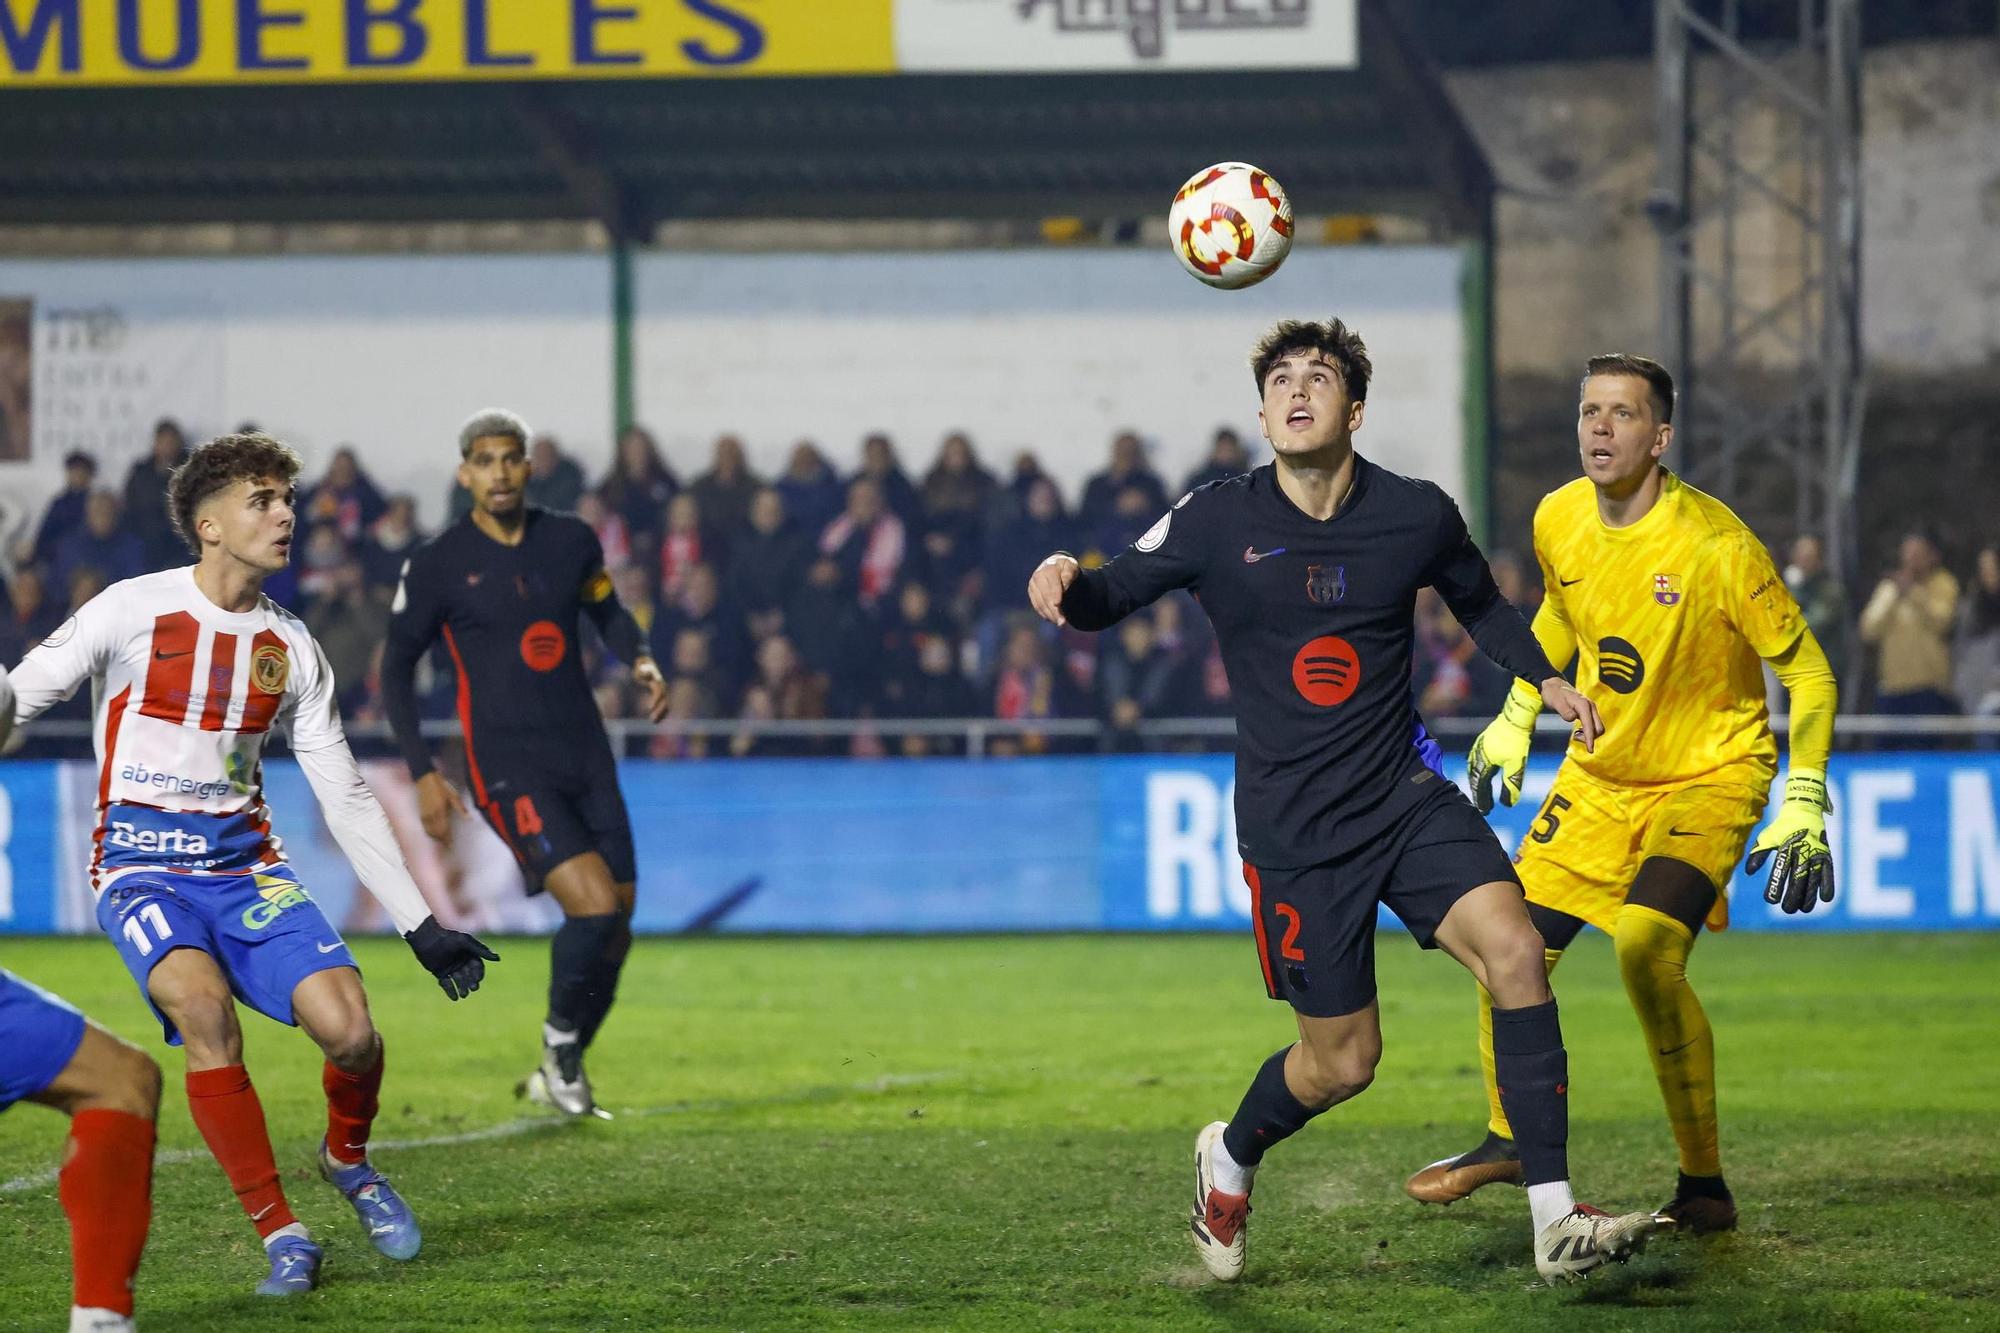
(987, 1133)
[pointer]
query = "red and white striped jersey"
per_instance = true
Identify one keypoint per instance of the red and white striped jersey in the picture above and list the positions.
(184, 696)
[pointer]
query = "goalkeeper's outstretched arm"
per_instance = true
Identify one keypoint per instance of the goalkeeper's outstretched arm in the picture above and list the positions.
(1802, 873)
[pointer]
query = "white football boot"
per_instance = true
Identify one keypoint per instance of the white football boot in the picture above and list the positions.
(1219, 1221)
(1586, 1238)
(560, 1083)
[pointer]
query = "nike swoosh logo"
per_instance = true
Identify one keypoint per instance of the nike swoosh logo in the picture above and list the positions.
(258, 1216)
(159, 656)
(1567, 583)
(329, 948)
(1677, 833)
(1251, 555)
(1683, 1046)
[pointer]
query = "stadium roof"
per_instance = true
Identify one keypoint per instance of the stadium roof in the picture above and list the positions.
(1380, 138)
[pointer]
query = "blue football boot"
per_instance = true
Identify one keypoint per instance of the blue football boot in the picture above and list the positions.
(391, 1226)
(294, 1267)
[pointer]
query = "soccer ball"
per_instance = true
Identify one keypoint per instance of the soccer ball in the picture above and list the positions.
(1231, 225)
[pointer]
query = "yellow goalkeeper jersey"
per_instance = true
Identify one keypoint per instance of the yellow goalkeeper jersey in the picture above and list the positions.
(1669, 617)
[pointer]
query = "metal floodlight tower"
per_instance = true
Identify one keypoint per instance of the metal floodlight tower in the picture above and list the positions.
(1758, 207)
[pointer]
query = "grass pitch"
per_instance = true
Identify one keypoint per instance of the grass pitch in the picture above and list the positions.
(997, 1133)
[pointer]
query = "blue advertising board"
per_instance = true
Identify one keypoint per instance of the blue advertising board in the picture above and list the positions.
(904, 846)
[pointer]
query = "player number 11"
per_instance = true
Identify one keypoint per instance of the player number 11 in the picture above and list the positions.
(153, 917)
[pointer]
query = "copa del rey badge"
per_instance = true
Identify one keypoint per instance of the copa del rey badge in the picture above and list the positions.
(1667, 589)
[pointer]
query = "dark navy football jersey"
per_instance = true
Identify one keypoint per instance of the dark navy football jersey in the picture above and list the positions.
(1315, 619)
(509, 617)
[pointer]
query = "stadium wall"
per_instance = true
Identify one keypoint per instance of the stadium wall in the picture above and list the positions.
(1138, 843)
(1045, 349)
(1573, 144)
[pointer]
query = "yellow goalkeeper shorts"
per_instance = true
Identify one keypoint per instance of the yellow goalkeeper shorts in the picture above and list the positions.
(1589, 838)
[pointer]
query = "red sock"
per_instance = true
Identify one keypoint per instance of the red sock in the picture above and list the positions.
(231, 1120)
(351, 1103)
(106, 1187)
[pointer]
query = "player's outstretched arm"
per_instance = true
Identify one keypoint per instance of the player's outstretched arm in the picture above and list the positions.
(456, 959)
(620, 631)
(54, 668)
(1171, 554)
(1802, 873)
(1459, 572)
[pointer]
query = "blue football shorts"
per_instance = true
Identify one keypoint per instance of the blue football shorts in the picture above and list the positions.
(262, 928)
(39, 1034)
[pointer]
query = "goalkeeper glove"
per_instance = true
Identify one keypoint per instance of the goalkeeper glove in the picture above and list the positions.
(1802, 872)
(1503, 749)
(456, 959)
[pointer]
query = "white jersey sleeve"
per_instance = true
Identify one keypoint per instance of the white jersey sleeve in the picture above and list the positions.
(77, 650)
(362, 830)
(312, 721)
(311, 716)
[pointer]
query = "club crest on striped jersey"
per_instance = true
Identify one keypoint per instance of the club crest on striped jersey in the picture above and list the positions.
(1667, 589)
(270, 668)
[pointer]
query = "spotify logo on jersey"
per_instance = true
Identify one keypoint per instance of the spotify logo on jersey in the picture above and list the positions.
(1619, 665)
(543, 645)
(1326, 671)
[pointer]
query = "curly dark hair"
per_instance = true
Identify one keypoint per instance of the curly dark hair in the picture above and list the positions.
(1659, 384)
(220, 464)
(1333, 340)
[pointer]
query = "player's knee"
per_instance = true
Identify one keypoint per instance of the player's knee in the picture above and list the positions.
(1641, 961)
(1517, 971)
(350, 1044)
(1335, 1076)
(208, 1028)
(135, 1086)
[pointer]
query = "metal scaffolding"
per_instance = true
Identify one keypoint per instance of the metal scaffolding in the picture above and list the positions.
(1758, 206)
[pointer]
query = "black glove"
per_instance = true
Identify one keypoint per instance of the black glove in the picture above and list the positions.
(456, 959)
(1802, 874)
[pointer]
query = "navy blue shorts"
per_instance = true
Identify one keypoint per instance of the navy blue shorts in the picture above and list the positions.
(262, 928)
(39, 1035)
(1316, 924)
(559, 805)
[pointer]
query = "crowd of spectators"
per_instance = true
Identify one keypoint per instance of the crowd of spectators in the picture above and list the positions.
(890, 595)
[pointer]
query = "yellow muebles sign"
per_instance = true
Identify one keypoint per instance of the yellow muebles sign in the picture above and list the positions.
(76, 43)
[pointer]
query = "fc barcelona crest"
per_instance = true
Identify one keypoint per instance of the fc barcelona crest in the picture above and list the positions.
(1326, 584)
(1667, 589)
(269, 669)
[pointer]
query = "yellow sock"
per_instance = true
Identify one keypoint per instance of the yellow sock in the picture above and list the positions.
(1496, 1119)
(1652, 957)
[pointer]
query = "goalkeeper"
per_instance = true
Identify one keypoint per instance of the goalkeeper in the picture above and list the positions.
(1667, 602)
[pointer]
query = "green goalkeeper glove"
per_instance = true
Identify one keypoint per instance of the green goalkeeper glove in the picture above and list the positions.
(1502, 749)
(1802, 873)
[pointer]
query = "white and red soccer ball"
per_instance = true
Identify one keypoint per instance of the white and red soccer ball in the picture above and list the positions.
(1231, 225)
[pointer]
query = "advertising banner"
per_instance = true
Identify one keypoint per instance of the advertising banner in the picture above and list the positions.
(75, 43)
(71, 43)
(1137, 843)
(1111, 35)
(96, 376)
